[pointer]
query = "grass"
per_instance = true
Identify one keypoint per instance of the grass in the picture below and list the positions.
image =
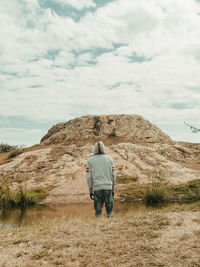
(126, 179)
(77, 242)
(132, 240)
(19, 198)
(160, 193)
(154, 196)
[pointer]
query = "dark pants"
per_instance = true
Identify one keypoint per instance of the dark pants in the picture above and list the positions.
(101, 197)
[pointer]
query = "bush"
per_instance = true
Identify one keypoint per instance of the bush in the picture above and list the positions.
(154, 196)
(20, 198)
(5, 196)
(4, 147)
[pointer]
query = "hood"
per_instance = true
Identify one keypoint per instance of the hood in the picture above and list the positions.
(99, 148)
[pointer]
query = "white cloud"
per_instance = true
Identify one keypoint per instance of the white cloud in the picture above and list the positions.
(20, 136)
(45, 60)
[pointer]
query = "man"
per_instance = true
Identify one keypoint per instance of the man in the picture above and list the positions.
(101, 177)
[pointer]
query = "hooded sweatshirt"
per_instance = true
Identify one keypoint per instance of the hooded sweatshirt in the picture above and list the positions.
(100, 170)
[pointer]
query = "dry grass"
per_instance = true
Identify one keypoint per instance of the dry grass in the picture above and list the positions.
(151, 239)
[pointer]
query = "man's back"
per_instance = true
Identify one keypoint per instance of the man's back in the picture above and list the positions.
(101, 176)
(101, 167)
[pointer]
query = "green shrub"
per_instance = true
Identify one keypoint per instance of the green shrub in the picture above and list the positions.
(154, 196)
(20, 198)
(5, 196)
(4, 147)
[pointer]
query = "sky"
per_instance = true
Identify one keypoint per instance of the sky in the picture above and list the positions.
(62, 59)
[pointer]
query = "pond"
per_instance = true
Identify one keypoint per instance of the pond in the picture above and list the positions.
(12, 218)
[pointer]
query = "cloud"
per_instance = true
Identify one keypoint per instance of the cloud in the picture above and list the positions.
(119, 57)
(78, 4)
(20, 136)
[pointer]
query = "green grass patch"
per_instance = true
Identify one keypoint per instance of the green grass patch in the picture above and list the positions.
(20, 198)
(126, 179)
(160, 193)
(189, 191)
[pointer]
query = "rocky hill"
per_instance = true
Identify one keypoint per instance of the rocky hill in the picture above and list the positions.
(140, 150)
(108, 128)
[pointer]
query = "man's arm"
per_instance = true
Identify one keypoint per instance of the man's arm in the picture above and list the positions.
(114, 175)
(89, 176)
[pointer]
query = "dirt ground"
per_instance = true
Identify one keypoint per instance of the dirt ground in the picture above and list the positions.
(168, 237)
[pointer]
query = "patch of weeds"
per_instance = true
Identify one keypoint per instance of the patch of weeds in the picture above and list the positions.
(19, 198)
(147, 248)
(5, 196)
(154, 196)
(126, 179)
(132, 193)
(189, 191)
(158, 193)
(59, 262)
(159, 222)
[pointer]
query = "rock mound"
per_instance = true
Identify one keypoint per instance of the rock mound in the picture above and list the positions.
(108, 128)
(140, 151)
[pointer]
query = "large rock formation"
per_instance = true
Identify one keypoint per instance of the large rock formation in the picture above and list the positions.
(139, 149)
(108, 128)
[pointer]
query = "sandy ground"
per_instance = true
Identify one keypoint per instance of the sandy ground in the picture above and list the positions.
(169, 237)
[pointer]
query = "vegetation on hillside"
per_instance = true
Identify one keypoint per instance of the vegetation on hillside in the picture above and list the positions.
(158, 193)
(19, 197)
(14, 150)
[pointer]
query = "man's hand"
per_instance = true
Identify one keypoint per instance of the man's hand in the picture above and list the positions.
(91, 195)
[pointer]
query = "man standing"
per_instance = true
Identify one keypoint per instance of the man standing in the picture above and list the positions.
(101, 177)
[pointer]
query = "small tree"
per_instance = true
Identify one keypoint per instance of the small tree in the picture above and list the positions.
(6, 148)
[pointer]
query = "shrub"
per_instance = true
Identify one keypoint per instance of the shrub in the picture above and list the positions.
(20, 198)
(4, 147)
(4, 196)
(154, 196)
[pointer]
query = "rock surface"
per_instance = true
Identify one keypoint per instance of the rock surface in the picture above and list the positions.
(110, 128)
(139, 149)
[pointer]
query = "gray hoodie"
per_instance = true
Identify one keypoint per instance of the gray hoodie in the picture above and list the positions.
(100, 170)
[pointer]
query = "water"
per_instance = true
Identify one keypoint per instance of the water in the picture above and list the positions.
(12, 218)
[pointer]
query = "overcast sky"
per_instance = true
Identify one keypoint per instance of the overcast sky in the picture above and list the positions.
(61, 59)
